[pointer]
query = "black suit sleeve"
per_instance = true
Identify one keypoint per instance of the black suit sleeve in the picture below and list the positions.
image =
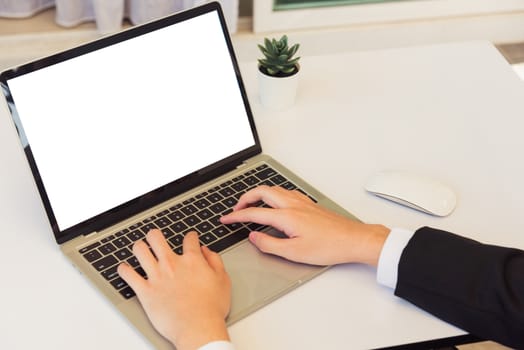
(476, 287)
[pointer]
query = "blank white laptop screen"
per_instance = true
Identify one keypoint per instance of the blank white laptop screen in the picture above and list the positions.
(111, 125)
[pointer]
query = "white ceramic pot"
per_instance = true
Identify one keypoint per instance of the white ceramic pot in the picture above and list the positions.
(276, 92)
(108, 15)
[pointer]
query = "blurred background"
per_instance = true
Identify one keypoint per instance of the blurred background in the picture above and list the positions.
(321, 26)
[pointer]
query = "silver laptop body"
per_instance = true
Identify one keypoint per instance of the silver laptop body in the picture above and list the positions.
(135, 124)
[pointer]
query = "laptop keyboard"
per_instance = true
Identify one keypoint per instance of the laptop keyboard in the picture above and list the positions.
(200, 213)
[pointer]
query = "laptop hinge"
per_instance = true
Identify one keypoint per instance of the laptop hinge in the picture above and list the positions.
(242, 165)
(90, 233)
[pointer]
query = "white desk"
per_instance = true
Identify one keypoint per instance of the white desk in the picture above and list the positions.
(453, 111)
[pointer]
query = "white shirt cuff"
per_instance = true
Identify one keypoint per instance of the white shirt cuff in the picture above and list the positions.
(218, 345)
(387, 270)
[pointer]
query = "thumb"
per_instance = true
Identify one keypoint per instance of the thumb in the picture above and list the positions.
(270, 244)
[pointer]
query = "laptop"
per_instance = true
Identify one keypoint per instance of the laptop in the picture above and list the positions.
(151, 127)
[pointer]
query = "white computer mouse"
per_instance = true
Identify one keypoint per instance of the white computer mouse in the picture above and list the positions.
(415, 191)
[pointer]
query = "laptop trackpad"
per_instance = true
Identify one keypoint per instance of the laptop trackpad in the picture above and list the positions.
(259, 278)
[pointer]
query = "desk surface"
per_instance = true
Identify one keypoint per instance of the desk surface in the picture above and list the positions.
(451, 111)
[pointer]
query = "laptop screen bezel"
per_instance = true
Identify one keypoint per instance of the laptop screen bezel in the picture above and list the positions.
(163, 193)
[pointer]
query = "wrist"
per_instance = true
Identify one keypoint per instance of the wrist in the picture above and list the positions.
(376, 237)
(199, 334)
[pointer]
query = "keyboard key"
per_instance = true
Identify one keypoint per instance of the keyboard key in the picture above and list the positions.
(202, 203)
(187, 201)
(167, 232)
(201, 195)
(221, 231)
(107, 248)
(149, 219)
(263, 166)
(123, 254)
(177, 240)
(234, 226)
(141, 272)
(304, 193)
(188, 230)
(238, 195)
(121, 232)
(148, 227)
(121, 242)
(178, 250)
(105, 263)
(226, 192)
(228, 241)
(267, 183)
(229, 202)
(207, 238)
(266, 173)
(178, 227)
(215, 220)
(162, 213)
(288, 186)
(215, 197)
(89, 247)
(301, 191)
(217, 208)
(278, 179)
(227, 183)
(176, 215)
(192, 220)
(204, 227)
(109, 238)
(127, 293)
(253, 226)
(162, 222)
(133, 261)
(111, 273)
(135, 235)
(118, 283)
(251, 181)
(176, 207)
(135, 226)
(205, 214)
(92, 255)
(239, 186)
(190, 209)
(238, 178)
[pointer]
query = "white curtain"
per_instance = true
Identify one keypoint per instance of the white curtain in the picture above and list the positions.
(108, 14)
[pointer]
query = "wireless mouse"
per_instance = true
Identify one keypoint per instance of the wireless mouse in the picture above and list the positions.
(415, 191)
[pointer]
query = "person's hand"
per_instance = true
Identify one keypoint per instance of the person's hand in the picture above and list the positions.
(186, 297)
(316, 235)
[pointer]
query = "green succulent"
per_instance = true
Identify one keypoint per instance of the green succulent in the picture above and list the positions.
(278, 58)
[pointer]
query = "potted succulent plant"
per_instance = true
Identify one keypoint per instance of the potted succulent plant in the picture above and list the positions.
(278, 73)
